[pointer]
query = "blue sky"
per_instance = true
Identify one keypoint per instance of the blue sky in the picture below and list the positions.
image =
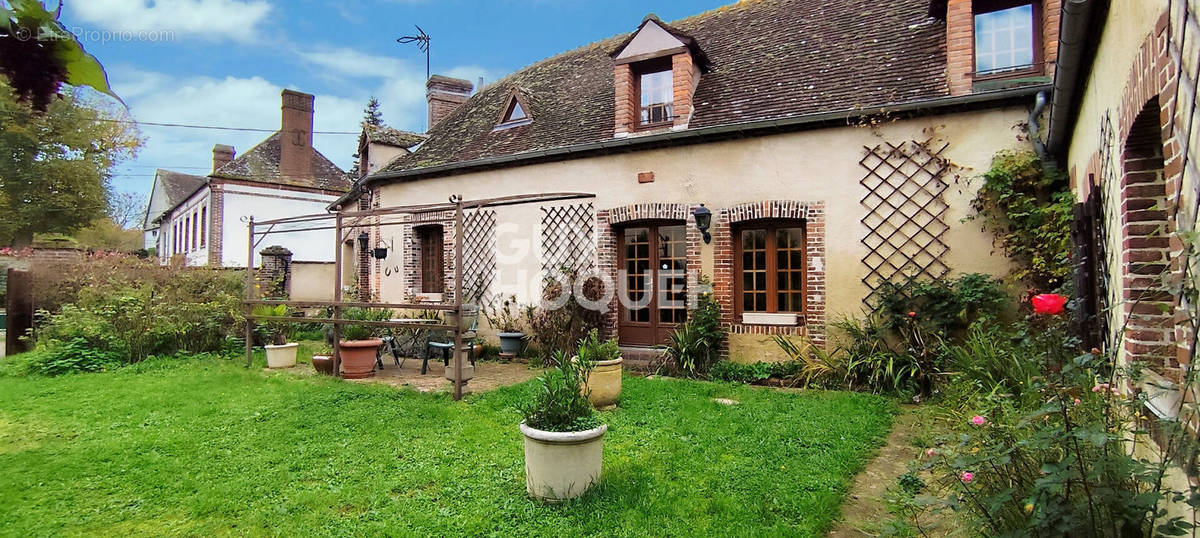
(224, 62)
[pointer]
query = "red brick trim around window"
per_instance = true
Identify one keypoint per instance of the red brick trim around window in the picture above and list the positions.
(812, 323)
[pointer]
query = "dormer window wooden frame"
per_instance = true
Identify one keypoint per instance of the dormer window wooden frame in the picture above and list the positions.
(648, 111)
(1037, 65)
(506, 121)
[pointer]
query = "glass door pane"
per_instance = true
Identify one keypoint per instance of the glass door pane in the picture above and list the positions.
(638, 276)
(672, 274)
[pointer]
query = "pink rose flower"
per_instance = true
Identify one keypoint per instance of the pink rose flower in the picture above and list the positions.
(978, 420)
(968, 476)
(929, 452)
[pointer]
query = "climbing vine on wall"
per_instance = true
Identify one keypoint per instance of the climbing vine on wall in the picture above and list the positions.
(1028, 208)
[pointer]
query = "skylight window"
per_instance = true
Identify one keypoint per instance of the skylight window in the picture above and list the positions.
(515, 114)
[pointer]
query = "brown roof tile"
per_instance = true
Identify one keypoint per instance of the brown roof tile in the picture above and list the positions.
(767, 59)
(391, 136)
(261, 164)
(178, 186)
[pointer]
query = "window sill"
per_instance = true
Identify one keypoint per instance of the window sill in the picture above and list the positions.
(655, 126)
(770, 318)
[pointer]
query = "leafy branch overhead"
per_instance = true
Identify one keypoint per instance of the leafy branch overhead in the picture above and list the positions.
(38, 54)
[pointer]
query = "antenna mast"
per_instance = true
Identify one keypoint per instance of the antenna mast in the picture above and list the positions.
(422, 41)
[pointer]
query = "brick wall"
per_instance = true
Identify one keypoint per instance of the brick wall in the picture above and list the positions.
(216, 223)
(683, 82)
(626, 104)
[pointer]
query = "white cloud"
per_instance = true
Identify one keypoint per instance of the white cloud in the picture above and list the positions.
(209, 19)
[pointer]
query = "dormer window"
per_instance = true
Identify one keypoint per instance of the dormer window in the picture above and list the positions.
(1004, 37)
(516, 113)
(656, 87)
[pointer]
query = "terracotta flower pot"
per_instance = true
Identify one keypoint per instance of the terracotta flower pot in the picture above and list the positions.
(323, 364)
(358, 357)
(605, 383)
(282, 356)
(562, 465)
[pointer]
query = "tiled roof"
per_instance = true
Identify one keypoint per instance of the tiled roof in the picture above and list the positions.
(261, 164)
(768, 59)
(393, 137)
(178, 186)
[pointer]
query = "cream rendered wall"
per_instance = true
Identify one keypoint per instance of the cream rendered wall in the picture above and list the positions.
(242, 201)
(819, 165)
(312, 281)
(379, 155)
(1128, 24)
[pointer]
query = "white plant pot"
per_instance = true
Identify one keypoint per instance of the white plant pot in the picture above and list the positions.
(282, 356)
(562, 465)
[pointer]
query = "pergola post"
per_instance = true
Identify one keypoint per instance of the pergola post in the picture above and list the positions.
(250, 292)
(458, 295)
(337, 294)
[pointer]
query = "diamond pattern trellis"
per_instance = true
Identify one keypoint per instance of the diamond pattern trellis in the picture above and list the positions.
(567, 233)
(479, 254)
(905, 210)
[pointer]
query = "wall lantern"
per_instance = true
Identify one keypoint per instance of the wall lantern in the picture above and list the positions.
(364, 241)
(703, 221)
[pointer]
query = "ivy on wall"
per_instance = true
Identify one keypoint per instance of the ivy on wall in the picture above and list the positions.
(1028, 208)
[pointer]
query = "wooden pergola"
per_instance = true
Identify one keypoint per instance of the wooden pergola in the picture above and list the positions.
(346, 223)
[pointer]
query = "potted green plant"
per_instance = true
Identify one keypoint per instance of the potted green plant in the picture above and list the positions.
(280, 353)
(505, 318)
(360, 343)
(603, 362)
(322, 360)
(564, 439)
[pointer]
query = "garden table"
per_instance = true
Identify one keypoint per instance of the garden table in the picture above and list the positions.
(394, 344)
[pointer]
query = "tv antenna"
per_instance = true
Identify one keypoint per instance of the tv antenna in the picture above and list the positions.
(422, 41)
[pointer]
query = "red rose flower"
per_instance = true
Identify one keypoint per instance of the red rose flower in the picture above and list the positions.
(1049, 304)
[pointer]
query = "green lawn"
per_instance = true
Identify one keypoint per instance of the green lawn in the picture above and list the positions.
(206, 447)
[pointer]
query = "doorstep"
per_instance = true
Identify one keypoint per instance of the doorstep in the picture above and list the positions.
(641, 358)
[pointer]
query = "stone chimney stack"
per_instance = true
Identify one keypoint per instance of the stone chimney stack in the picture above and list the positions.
(222, 155)
(295, 153)
(444, 95)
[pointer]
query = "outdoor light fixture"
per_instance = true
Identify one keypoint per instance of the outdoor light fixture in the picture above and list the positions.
(703, 221)
(364, 241)
(380, 253)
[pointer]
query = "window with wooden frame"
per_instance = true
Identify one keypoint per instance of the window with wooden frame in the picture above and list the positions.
(516, 113)
(655, 88)
(195, 229)
(430, 239)
(770, 267)
(1007, 38)
(203, 225)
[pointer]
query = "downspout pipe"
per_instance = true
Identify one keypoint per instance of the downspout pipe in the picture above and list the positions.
(1073, 37)
(1035, 130)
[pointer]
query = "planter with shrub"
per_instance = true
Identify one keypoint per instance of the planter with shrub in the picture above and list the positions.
(280, 353)
(505, 319)
(322, 360)
(360, 343)
(564, 440)
(603, 361)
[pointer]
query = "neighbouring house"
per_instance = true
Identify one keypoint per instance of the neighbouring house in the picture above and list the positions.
(832, 143)
(169, 190)
(1121, 123)
(282, 176)
(379, 145)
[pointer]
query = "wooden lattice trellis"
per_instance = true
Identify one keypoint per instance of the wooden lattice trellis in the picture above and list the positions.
(905, 214)
(479, 254)
(567, 238)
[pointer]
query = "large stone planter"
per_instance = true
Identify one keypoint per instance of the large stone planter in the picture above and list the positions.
(562, 465)
(511, 342)
(283, 356)
(358, 357)
(604, 381)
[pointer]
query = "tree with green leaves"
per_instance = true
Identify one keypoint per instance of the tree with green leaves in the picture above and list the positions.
(38, 54)
(56, 165)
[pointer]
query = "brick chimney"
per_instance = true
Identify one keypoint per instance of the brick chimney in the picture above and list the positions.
(295, 154)
(222, 155)
(444, 95)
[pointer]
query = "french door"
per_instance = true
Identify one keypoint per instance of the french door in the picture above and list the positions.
(653, 294)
